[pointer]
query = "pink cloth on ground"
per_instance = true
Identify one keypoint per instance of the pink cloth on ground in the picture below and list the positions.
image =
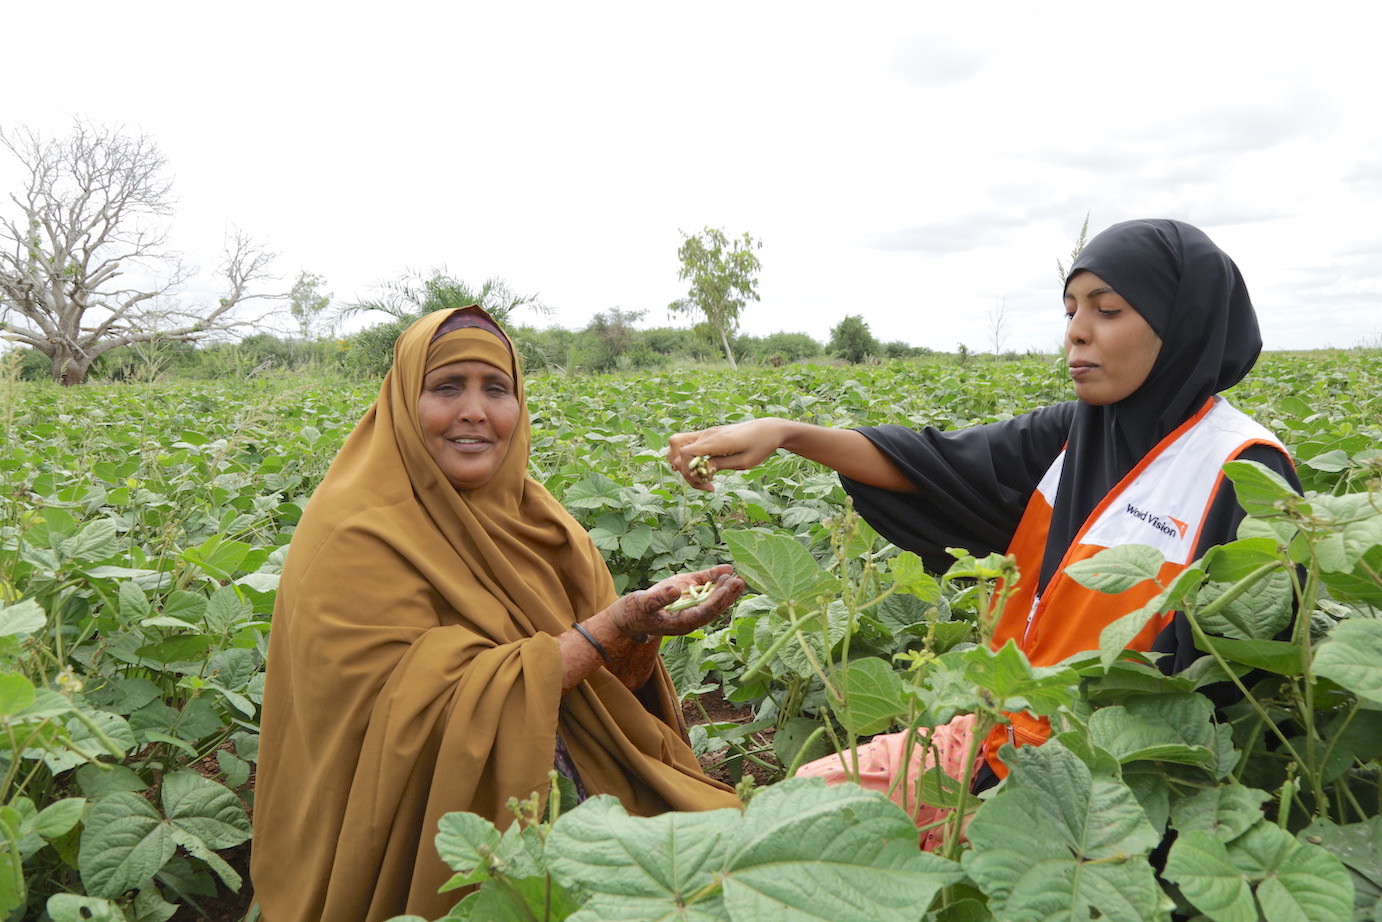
(883, 758)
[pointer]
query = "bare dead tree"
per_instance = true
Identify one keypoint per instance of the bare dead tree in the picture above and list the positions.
(998, 324)
(90, 218)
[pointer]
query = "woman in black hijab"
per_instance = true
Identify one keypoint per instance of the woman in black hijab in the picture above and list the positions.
(1158, 322)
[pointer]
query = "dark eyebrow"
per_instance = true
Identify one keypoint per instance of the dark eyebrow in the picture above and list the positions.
(1094, 293)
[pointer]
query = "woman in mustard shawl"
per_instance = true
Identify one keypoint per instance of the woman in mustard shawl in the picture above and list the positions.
(446, 633)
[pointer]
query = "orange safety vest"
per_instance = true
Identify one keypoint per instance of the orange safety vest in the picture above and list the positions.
(1161, 502)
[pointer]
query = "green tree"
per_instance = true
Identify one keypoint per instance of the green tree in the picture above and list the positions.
(408, 298)
(723, 279)
(307, 302)
(852, 341)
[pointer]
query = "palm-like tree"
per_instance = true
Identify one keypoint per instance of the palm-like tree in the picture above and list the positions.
(415, 294)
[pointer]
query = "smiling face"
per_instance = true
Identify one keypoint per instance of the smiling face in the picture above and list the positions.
(1109, 347)
(468, 412)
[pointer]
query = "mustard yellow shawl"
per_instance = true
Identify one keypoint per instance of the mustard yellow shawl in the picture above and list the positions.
(414, 668)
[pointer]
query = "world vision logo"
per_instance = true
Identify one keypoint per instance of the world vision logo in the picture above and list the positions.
(1175, 528)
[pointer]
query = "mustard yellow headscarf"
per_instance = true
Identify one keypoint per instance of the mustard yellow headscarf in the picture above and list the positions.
(414, 668)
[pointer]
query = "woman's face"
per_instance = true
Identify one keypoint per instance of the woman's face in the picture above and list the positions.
(1109, 347)
(468, 412)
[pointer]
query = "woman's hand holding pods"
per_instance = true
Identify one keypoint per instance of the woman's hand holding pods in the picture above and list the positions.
(737, 446)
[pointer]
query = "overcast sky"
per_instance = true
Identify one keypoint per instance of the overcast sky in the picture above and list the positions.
(919, 164)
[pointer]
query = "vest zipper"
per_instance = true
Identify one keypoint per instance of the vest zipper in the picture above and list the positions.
(1031, 616)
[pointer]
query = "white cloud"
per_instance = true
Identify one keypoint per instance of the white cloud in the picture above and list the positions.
(909, 163)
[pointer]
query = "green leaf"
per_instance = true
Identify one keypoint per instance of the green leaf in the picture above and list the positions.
(22, 618)
(1225, 812)
(641, 869)
(1060, 842)
(70, 907)
(779, 567)
(1260, 491)
(810, 851)
(123, 844)
(12, 889)
(1017, 684)
(1165, 728)
(96, 542)
(1199, 864)
(59, 817)
(1115, 636)
(1259, 613)
(870, 696)
(1278, 656)
(910, 576)
(635, 544)
(1352, 657)
(207, 810)
(1230, 562)
(1359, 847)
(1117, 569)
(467, 843)
(16, 693)
(1294, 879)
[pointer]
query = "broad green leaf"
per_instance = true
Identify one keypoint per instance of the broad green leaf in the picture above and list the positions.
(225, 610)
(594, 491)
(1225, 812)
(1115, 636)
(779, 567)
(1293, 879)
(206, 809)
(185, 606)
(1199, 864)
(1278, 656)
(467, 843)
(12, 889)
(796, 733)
(16, 693)
(1117, 569)
(523, 900)
(641, 868)
(1060, 842)
(808, 851)
(95, 542)
(792, 655)
(1260, 491)
(910, 576)
(1259, 613)
(134, 605)
(1016, 684)
(635, 544)
(1165, 728)
(22, 618)
(1352, 657)
(59, 817)
(1228, 563)
(84, 739)
(1359, 847)
(70, 907)
(123, 844)
(870, 696)
(180, 649)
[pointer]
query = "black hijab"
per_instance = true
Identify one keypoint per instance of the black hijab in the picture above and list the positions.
(1193, 296)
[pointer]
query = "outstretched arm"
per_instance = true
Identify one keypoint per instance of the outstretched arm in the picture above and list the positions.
(740, 446)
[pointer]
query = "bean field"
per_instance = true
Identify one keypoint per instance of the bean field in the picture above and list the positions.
(143, 528)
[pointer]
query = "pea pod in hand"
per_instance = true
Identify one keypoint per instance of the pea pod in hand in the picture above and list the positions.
(691, 597)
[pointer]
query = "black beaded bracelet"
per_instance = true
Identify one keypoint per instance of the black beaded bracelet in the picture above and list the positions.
(599, 647)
